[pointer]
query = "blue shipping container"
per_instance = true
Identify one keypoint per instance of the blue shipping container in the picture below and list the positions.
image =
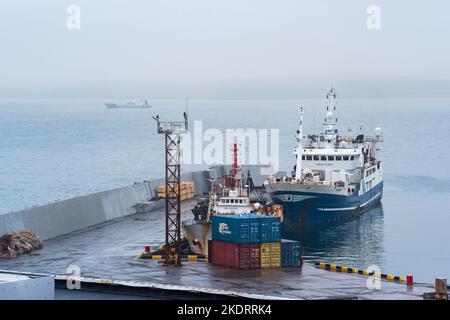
(269, 229)
(246, 228)
(237, 228)
(291, 253)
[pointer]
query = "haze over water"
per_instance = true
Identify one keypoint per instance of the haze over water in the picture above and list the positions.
(57, 149)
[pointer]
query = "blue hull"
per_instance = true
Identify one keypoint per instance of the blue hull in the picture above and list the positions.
(313, 208)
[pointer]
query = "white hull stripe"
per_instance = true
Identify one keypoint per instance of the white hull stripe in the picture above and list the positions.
(337, 209)
(374, 197)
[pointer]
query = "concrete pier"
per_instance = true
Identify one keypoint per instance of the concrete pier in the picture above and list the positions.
(106, 255)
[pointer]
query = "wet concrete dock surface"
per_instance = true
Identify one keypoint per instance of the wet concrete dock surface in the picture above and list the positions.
(109, 251)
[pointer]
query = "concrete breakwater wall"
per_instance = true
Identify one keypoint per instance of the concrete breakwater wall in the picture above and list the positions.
(62, 217)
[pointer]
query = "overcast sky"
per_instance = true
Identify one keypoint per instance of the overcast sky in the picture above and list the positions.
(223, 49)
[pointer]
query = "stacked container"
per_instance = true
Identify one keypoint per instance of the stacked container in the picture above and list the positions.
(270, 255)
(269, 229)
(239, 240)
(236, 228)
(291, 253)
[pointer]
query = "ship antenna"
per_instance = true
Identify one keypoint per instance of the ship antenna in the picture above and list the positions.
(186, 115)
(299, 148)
(330, 118)
(300, 129)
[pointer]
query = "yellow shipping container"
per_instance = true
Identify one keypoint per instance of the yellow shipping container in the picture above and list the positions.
(270, 255)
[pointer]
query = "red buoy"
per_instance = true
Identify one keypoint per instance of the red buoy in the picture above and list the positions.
(409, 280)
(147, 248)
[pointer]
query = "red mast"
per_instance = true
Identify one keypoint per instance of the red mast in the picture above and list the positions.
(235, 165)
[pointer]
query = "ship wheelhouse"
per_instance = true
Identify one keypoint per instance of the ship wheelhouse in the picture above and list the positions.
(233, 205)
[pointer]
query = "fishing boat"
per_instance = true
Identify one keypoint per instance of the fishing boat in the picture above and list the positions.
(231, 199)
(335, 177)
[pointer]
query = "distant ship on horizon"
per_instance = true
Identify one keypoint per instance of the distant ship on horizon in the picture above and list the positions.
(143, 104)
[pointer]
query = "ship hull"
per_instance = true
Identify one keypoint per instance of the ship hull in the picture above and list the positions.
(198, 235)
(302, 207)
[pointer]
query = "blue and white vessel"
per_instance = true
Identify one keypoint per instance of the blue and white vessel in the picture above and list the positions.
(335, 177)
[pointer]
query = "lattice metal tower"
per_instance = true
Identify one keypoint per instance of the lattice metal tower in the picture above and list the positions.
(172, 132)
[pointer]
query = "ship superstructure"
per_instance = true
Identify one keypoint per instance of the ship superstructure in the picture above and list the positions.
(335, 176)
(233, 199)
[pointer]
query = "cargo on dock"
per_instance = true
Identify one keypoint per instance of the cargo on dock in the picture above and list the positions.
(291, 253)
(186, 190)
(235, 255)
(269, 229)
(238, 228)
(14, 244)
(270, 255)
(246, 228)
(240, 232)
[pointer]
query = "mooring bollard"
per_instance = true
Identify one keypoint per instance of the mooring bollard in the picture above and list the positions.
(441, 289)
(440, 293)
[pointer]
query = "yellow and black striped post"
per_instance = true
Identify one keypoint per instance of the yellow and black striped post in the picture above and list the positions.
(336, 268)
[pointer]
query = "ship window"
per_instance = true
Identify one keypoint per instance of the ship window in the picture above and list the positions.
(338, 158)
(323, 158)
(316, 158)
(303, 157)
(309, 158)
(352, 158)
(330, 158)
(345, 158)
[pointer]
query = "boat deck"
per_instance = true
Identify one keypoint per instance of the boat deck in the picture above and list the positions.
(109, 250)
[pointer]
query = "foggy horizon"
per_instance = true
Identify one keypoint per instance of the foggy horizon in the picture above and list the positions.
(253, 50)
